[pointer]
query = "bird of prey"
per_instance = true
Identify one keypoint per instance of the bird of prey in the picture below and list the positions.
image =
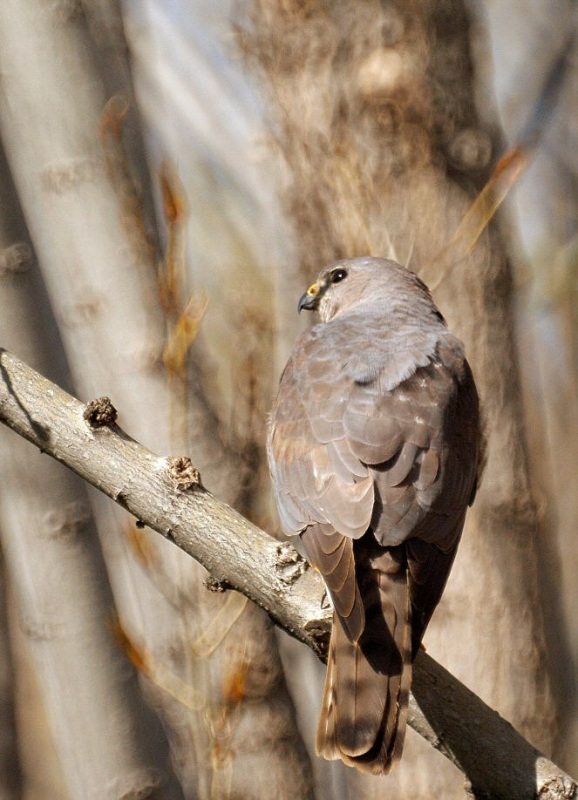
(374, 446)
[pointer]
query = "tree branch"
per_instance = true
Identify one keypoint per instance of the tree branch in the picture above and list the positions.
(166, 494)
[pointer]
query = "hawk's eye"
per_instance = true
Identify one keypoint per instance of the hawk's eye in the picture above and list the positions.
(338, 275)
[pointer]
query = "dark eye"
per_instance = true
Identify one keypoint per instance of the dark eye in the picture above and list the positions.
(338, 275)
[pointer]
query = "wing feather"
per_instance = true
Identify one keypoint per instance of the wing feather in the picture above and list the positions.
(350, 454)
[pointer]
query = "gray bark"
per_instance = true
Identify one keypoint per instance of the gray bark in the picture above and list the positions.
(60, 590)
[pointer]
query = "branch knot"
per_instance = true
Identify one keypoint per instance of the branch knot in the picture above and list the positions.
(183, 474)
(100, 413)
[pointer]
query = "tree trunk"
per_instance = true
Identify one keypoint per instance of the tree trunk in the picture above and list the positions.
(10, 771)
(99, 266)
(378, 127)
(59, 585)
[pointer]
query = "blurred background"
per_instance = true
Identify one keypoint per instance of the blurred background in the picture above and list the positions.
(172, 177)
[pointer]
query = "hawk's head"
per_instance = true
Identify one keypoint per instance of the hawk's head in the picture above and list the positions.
(347, 283)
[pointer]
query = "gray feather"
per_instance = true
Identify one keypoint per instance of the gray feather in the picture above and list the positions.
(373, 448)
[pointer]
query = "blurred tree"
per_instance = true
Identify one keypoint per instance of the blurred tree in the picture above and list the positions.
(530, 43)
(378, 126)
(367, 130)
(212, 667)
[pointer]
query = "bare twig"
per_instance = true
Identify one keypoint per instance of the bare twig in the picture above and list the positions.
(497, 761)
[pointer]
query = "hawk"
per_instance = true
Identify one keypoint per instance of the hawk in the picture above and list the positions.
(374, 447)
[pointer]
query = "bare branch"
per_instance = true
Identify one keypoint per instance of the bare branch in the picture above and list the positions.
(497, 761)
(233, 550)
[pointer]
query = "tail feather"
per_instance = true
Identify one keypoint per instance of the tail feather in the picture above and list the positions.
(366, 694)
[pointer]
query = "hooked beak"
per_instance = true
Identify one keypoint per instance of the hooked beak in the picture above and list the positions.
(310, 300)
